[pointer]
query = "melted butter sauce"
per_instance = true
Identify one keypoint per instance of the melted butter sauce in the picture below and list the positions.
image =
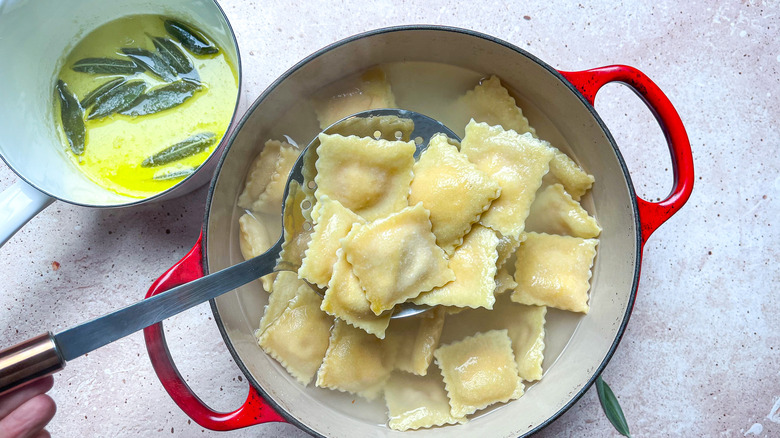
(116, 145)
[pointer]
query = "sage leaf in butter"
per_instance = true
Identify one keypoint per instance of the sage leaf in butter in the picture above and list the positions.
(173, 55)
(169, 174)
(152, 61)
(611, 407)
(72, 116)
(162, 98)
(193, 40)
(100, 92)
(117, 99)
(187, 148)
(108, 66)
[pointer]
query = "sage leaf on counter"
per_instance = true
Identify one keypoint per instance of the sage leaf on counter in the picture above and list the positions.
(194, 41)
(109, 66)
(152, 61)
(162, 98)
(99, 93)
(117, 99)
(611, 407)
(168, 174)
(173, 55)
(72, 116)
(191, 146)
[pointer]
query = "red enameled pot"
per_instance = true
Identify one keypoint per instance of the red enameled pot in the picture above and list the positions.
(560, 105)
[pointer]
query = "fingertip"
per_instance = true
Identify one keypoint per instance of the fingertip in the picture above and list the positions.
(45, 406)
(47, 383)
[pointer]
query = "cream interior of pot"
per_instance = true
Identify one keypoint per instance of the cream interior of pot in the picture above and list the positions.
(575, 345)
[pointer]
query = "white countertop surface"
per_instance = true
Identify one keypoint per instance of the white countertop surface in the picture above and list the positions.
(701, 355)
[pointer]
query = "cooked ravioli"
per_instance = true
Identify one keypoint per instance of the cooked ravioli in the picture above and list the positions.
(298, 338)
(479, 371)
(253, 240)
(297, 228)
(554, 271)
(525, 326)
(333, 222)
(355, 362)
(555, 212)
(474, 264)
(396, 258)
(267, 177)
(565, 171)
(286, 287)
(368, 176)
(490, 102)
(507, 245)
(346, 300)
(504, 281)
(414, 402)
(388, 127)
(452, 189)
(517, 163)
(370, 91)
(414, 340)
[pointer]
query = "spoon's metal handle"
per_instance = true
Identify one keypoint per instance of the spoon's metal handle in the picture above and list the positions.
(28, 361)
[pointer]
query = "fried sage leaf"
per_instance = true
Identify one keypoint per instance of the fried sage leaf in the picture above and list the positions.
(193, 40)
(173, 55)
(98, 93)
(191, 146)
(611, 407)
(151, 61)
(117, 99)
(162, 98)
(168, 174)
(72, 116)
(108, 66)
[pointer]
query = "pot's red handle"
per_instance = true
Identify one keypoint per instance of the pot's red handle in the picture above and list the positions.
(651, 214)
(255, 409)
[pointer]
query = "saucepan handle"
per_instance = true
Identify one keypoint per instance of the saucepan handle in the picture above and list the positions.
(651, 214)
(255, 409)
(18, 204)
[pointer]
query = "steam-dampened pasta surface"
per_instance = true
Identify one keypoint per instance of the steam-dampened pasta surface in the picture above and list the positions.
(487, 233)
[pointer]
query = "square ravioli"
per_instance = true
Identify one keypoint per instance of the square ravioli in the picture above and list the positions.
(555, 212)
(333, 222)
(396, 258)
(297, 228)
(525, 326)
(474, 264)
(370, 177)
(286, 287)
(517, 163)
(298, 338)
(554, 271)
(370, 91)
(507, 245)
(479, 371)
(489, 102)
(565, 171)
(355, 362)
(452, 189)
(414, 402)
(388, 127)
(346, 300)
(414, 339)
(267, 177)
(253, 240)
(504, 281)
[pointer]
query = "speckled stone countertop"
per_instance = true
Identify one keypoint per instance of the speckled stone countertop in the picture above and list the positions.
(701, 355)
